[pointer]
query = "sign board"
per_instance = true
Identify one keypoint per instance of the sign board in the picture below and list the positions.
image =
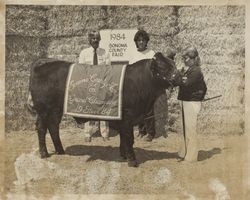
(119, 43)
(94, 91)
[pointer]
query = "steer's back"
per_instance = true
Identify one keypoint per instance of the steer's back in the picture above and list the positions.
(139, 90)
(47, 83)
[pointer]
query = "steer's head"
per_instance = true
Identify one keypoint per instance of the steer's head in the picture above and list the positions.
(164, 69)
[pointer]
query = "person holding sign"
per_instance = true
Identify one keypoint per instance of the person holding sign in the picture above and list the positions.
(94, 55)
(141, 39)
(192, 89)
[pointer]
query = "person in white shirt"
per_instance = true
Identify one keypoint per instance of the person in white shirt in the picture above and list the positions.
(141, 38)
(87, 55)
(94, 55)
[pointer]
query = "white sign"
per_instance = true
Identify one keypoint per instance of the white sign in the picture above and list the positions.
(119, 43)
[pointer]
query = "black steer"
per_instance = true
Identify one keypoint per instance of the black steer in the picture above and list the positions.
(144, 81)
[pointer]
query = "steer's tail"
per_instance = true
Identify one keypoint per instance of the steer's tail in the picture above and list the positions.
(30, 105)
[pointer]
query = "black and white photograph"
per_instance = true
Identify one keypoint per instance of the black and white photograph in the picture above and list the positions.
(115, 100)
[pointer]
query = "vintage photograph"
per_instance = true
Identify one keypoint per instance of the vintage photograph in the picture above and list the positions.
(132, 101)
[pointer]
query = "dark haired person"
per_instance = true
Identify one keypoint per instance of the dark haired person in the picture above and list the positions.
(192, 89)
(94, 55)
(141, 40)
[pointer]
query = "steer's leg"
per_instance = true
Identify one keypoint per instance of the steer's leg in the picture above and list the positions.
(41, 126)
(127, 137)
(53, 125)
(122, 147)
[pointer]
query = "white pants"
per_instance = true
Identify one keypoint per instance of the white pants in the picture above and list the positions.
(189, 141)
(92, 127)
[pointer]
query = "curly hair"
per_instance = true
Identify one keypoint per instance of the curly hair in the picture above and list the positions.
(143, 34)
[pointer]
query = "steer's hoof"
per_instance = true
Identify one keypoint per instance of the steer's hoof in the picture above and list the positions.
(123, 158)
(61, 152)
(132, 163)
(44, 154)
(87, 139)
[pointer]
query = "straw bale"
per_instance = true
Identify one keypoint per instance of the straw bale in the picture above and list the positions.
(74, 20)
(20, 53)
(225, 122)
(154, 19)
(16, 92)
(213, 19)
(160, 44)
(147, 10)
(207, 22)
(220, 70)
(230, 87)
(70, 46)
(235, 11)
(25, 20)
(218, 34)
(210, 11)
(215, 60)
(122, 17)
(215, 50)
(210, 42)
(233, 29)
(23, 50)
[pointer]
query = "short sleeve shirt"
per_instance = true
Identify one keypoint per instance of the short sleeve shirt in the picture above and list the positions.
(87, 56)
(140, 55)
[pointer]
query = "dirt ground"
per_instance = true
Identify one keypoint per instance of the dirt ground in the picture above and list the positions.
(91, 170)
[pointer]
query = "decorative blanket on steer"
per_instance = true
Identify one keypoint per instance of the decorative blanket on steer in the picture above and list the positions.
(94, 91)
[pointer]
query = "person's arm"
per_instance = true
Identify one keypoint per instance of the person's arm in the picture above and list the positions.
(191, 77)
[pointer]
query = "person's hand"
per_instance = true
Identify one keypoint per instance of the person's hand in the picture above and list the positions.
(184, 79)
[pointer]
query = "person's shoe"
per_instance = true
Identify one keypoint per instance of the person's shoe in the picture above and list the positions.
(132, 163)
(148, 138)
(87, 139)
(105, 139)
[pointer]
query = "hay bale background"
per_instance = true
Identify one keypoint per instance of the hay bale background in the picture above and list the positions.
(20, 53)
(218, 34)
(61, 32)
(25, 42)
(26, 20)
